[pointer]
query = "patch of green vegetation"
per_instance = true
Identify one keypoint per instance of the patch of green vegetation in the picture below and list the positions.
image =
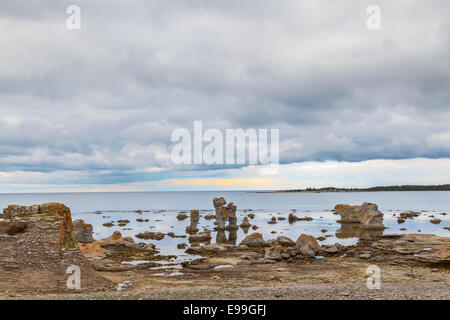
(69, 243)
(15, 227)
(50, 214)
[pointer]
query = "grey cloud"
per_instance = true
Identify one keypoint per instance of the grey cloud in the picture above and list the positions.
(107, 97)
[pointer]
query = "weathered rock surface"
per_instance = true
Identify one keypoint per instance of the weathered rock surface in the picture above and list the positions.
(200, 237)
(182, 215)
(307, 245)
(82, 232)
(12, 227)
(332, 249)
(254, 240)
(207, 249)
(224, 214)
(245, 223)
(293, 218)
(273, 253)
(409, 214)
(195, 217)
(366, 215)
(116, 248)
(21, 211)
(425, 248)
(151, 235)
(35, 261)
(285, 242)
(435, 221)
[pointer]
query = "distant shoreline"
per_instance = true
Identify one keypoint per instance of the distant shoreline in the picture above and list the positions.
(444, 187)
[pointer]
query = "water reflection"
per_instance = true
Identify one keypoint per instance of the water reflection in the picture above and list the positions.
(222, 238)
(353, 230)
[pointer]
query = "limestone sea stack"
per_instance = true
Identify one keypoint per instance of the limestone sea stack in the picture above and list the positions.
(224, 214)
(195, 217)
(367, 215)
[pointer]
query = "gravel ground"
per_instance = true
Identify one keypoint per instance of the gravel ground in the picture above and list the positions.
(388, 291)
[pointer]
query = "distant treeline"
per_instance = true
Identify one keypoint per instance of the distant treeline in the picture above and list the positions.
(443, 187)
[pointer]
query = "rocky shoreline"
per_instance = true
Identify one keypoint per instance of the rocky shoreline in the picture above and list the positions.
(38, 243)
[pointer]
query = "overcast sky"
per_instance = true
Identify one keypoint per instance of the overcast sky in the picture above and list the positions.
(94, 109)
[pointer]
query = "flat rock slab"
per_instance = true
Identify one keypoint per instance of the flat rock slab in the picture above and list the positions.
(32, 262)
(420, 247)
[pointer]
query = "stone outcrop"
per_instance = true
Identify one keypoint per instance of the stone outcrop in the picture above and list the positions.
(424, 248)
(12, 227)
(307, 245)
(293, 218)
(151, 235)
(195, 217)
(200, 237)
(273, 253)
(44, 209)
(285, 242)
(35, 259)
(116, 248)
(366, 215)
(245, 223)
(208, 249)
(254, 240)
(409, 214)
(221, 237)
(182, 215)
(224, 214)
(82, 232)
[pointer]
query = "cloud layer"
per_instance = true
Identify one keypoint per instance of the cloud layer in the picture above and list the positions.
(100, 103)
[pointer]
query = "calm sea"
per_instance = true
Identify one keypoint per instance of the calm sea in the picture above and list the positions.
(128, 201)
(159, 210)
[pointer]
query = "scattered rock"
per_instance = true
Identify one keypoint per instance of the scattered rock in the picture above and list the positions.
(148, 235)
(254, 240)
(409, 214)
(207, 249)
(365, 256)
(332, 249)
(285, 242)
(307, 245)
(273, 253)
(367, 215)
(245, 223)
(273, 220)
(115, 247)
(195, 217)
(182, 216)
(435, 221)
(200, 237)
(82, 232)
